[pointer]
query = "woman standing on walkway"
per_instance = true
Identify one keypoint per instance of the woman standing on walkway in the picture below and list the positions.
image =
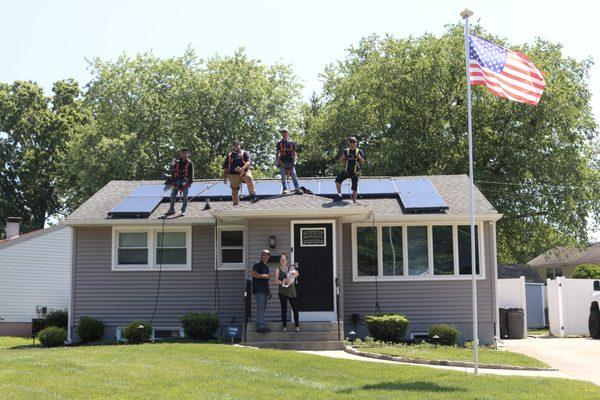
(286, 279)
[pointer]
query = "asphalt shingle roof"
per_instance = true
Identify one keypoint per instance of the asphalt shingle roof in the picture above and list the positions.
(568, 256)
(454, 189)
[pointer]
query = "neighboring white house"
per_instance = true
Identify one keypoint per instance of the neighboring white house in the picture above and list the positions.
(35, 273)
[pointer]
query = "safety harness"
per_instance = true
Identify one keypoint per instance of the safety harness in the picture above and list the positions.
(181, 171)
(284, 151)
(230, 160)
(355, 158)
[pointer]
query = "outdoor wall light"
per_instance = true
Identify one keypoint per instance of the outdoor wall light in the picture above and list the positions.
(272, 242)
(352, 336)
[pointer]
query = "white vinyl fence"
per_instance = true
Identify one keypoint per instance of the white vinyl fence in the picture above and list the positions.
(511, 294)
(569, 305)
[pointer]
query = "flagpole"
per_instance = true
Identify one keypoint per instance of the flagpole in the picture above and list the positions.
(466, 14)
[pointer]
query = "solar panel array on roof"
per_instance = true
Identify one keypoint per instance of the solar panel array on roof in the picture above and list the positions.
(416, 195)
(419, 195)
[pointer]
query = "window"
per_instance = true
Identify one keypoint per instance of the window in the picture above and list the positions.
(171, 248)
(414, 252)
(133, 248)
(418, 254)
(443, 251)
(366, 245)
(393, 254)
(313, 237)
(151, 248)
(464, 249)
(232, 247)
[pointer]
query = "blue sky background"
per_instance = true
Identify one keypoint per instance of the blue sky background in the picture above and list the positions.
(45, 41)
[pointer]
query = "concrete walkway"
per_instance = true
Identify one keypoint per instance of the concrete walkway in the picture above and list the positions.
(342, 354)
(578, 358)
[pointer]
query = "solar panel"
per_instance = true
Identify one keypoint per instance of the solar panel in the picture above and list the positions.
(197, 189)
(373, 187)
(135, 207)
(419, 195)
(268, 188)
(219, 190)
(150, 190)
(327, 187)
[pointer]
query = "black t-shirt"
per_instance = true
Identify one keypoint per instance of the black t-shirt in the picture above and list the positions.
(235, 159)
(286, 150)
(352, 164)
(260, 285)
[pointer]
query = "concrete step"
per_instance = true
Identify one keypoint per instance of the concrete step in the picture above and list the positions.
(304, 326)
(301, 346)
(291, 336)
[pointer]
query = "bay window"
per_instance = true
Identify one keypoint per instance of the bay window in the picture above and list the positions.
(414, 251)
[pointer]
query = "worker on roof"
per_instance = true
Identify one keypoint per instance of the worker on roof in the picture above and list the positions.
(286, 156)
(236, 167)
(182, 177)
(353, 159)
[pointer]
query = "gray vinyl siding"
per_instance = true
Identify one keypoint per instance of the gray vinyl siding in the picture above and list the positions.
(424, 302)
(118, 297)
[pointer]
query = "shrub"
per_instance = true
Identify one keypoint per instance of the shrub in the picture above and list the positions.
(134, 334)
(447, 334)
(90, 329)
(57, 318)
(387, 327)
(587, 271)
(200, 326)
(52, 336)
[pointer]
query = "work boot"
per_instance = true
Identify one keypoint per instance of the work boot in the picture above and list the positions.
(170, 211)
(253, 198)
(182, 213)
(285, 191)
(339, 197)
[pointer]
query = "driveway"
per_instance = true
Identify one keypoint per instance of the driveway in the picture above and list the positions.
(577, 357)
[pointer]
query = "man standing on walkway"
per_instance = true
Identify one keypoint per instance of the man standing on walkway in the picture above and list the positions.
(286, 157)
(236, 167)
(261, 289)
(353, 159)
(182, 177)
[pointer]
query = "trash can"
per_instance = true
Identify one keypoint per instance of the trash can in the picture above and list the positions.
(516, 323)
(503, 323)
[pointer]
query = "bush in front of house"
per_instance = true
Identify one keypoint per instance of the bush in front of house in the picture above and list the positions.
(52, 336)
(587, 271)
(387, 327)
(447, 334)
(200, 326)
(57, 318)
(137, 332)
(90, 329)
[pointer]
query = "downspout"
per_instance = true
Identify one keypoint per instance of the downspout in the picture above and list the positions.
(73, 233)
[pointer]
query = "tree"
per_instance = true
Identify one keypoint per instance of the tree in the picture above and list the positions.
(405, 101)
(34, 130)
(147, 108)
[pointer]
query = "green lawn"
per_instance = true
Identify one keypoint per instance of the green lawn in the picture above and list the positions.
(213, 371)
(451, 353)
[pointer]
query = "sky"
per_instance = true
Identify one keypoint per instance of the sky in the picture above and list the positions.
(45, 41)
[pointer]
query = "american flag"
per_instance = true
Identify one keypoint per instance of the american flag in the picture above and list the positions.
(506, 73)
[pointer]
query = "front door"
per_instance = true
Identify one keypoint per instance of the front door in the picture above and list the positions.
(313, 252)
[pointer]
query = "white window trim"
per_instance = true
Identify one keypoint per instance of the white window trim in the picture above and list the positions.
(152, 239)
(430, 276)
(231, 266)
(324, 230)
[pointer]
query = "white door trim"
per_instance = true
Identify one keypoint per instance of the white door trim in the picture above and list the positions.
(329, 316)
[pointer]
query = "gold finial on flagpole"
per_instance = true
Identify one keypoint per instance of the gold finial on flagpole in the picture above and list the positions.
(466, 13)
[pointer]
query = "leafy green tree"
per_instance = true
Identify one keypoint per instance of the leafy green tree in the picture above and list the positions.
(404, 98)
(34, 129)
(147, 108)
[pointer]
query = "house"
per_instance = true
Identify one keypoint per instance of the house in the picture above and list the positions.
(402, 250)
(35, 276)
(506, 271)
(562, 261)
